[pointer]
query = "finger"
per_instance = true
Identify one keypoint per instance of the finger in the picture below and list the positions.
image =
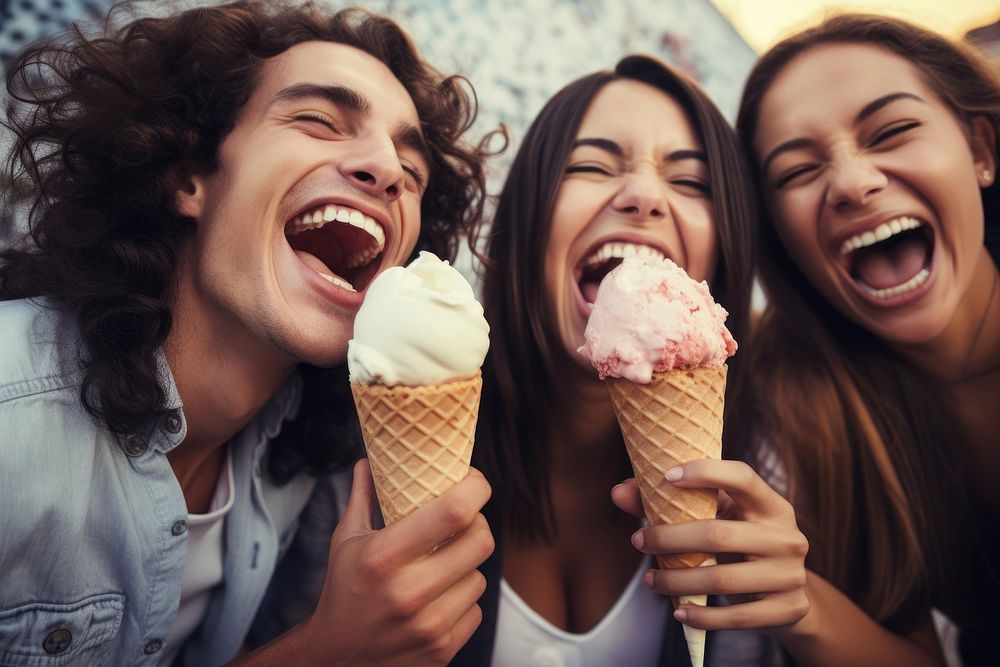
(357, 519)
(432, 576)
(761, 577)
(438, 618)
(442, 627)
(427, 527)
(778, 610)
(737, 479)
(625, 496)
(721, 536)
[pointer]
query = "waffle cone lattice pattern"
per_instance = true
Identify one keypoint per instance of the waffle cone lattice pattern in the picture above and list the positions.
(674, 419)
(419, 439)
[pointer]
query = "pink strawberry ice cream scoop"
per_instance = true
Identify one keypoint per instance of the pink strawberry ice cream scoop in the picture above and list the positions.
(651, 317)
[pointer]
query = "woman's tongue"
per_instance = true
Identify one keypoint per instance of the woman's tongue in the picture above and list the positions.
(883, 265)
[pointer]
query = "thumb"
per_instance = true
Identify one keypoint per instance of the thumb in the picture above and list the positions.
(357, 519)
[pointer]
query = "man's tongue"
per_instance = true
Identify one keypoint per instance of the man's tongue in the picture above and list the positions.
(314, 262)
(883, 265)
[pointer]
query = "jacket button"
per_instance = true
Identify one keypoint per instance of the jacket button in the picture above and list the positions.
(179, 528)
(57, 641)
(134, 445)
(152, 647)
(172, 423)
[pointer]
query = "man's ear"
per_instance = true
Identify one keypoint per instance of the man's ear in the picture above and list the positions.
(189, 191)
(984, 150)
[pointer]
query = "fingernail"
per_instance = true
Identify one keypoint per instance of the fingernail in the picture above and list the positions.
(638, 539)
(681, 615)
(674, 474)
(648, 578)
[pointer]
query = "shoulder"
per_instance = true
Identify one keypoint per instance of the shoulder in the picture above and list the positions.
(40, 349)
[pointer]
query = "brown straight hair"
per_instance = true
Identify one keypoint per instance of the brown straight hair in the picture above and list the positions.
(520, 378)
(869, 450)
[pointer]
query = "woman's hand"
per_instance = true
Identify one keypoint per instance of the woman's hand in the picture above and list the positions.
(760, 549)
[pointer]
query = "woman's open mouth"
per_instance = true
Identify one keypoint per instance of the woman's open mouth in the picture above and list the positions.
(339, 243)
(891, 260)
(593, 268)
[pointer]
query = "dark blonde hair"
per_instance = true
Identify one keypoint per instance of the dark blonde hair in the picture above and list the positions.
(520, 377)
(869, 450)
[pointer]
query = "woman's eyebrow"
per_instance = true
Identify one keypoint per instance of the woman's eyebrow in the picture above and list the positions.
(603, 144)
(883, 101)
(866, 111)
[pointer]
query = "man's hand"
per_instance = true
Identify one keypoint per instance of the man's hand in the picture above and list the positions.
(406, 594)
(403, 595)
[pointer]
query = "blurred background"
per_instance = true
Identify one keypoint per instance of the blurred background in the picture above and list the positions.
(517, 53)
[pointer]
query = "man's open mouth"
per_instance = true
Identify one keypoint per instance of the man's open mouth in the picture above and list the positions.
(892, 259)
(593, 268)
(339, 243)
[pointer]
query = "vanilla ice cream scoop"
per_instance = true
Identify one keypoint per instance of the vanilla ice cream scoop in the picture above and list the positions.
(419, 325)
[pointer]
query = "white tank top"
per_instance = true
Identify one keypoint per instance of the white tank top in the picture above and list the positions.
(630, 634)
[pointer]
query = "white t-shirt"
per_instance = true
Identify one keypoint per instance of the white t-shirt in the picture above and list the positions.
(203, 564)
(628, 635)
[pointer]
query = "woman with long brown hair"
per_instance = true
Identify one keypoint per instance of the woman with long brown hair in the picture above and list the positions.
(876, 366)
(632, 161)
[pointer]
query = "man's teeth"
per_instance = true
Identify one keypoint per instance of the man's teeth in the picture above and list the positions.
(339, 282)
(889, 292)
(880, 233)
(320, 217)
(620, 251)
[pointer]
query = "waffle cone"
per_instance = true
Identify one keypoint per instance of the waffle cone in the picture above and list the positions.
(674, 419)
(419, 439)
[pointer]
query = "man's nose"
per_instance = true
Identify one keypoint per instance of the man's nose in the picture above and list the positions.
(374, 167)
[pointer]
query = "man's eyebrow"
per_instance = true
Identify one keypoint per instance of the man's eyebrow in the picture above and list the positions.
(405, 134)
(866, 111)
(339, 95)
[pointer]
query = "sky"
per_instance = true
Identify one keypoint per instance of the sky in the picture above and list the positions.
(763, 22)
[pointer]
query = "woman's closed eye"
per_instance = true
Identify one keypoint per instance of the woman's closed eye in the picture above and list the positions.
(694, 184)
(892, 131)
(795, 174)
(587, 169)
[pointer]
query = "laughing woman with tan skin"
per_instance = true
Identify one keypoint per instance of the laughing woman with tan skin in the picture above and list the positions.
(877, 363)
(632, 161)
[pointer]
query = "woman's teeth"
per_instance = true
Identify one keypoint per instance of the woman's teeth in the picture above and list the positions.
(880, 233)
(889, 292)
(620, 251)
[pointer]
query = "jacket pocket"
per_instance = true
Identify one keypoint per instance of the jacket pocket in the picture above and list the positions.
(49, 634)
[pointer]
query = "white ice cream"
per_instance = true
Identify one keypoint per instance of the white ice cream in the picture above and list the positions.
(418, 325)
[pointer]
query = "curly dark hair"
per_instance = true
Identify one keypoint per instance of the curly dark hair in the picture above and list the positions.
(99, 126)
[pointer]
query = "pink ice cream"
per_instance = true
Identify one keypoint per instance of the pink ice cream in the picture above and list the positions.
(651, 317)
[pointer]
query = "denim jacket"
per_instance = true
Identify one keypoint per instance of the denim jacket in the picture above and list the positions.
(93, 526)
